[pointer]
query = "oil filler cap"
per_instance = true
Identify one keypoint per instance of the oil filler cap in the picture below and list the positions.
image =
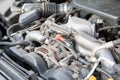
(92, 78)
(110, 79)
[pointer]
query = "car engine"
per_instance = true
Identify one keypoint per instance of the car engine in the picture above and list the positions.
(59, 40)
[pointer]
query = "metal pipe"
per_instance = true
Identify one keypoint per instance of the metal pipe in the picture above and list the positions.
(96, 64)
(87, 43)
(34, 36)
(90, 43)
(92, 71)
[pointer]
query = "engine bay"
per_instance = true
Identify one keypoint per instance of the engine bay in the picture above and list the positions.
(59, 40)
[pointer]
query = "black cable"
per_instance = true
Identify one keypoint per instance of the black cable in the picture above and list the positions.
(98, 69)
(59, 17)
(71, 12)
(104, 72)
(54, 15)
(84, 61)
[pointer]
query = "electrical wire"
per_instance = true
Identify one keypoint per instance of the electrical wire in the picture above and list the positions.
(105, 28)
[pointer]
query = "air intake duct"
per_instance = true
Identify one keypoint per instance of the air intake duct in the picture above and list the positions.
(34, 11)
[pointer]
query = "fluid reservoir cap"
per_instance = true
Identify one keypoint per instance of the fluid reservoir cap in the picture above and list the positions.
(92, 78)
(110, 79)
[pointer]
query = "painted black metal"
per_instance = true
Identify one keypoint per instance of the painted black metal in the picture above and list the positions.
(9, 70)
(32, 59)
(105, 8)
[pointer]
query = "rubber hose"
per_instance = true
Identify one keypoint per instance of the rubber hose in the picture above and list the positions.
(14, 43)
(9, 30)
(104, 72)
